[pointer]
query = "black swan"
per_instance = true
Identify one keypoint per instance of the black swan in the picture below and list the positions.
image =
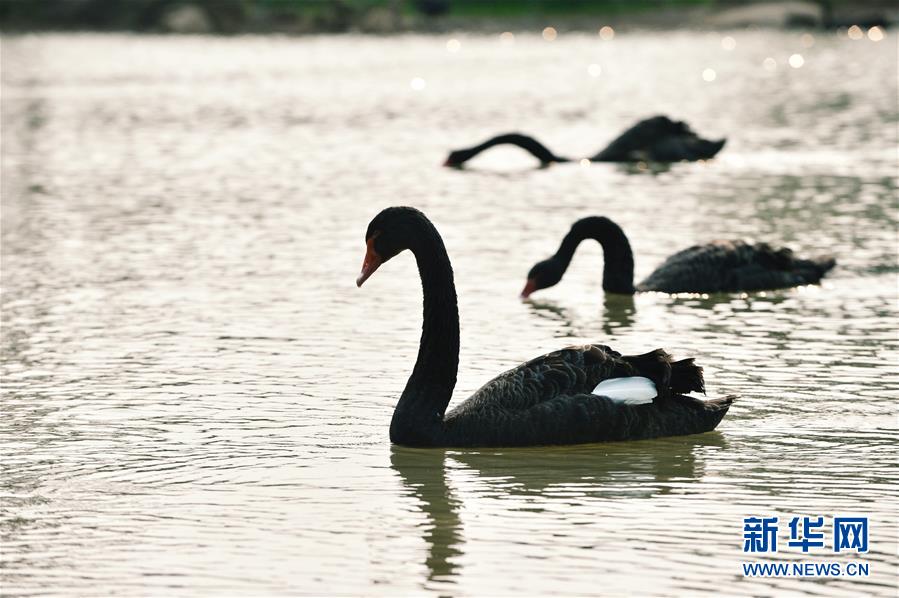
(575, 395)
(657, 139)
(716, 267)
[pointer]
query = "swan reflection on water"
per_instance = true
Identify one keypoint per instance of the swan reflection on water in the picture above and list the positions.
(618, 313)
(535, 479)
(502, 169)
(651, 168)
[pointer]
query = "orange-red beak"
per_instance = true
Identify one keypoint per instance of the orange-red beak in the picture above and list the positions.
(370, 263)
(529, 288)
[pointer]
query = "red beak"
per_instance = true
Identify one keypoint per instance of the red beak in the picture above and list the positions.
(529, 288)
(371, 262)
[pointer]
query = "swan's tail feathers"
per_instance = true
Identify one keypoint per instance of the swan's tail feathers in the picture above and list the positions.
(720, 404)
(707, 148)
(716, 409)
(633, 390)
(686, 377)
(811, 271)
(824, 264)
(718, 145)
(705, 415)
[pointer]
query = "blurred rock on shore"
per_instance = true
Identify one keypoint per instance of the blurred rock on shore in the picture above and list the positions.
(389, 16)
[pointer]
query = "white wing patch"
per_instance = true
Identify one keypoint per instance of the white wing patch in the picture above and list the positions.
(634, 390)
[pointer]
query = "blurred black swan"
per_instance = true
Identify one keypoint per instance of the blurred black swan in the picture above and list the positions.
(657, 139)
(716, 267)
(581, 394)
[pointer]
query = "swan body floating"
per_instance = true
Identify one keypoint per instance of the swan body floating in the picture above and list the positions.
(580, 394)
(716, 267)
(657, 139)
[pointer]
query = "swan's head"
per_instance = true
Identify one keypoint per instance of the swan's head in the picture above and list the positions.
(457, 158)
(543, 275)
(388, 234)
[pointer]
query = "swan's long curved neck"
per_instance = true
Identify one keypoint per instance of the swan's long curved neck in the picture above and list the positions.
(618, 259)
(418, 417)
(529, 144)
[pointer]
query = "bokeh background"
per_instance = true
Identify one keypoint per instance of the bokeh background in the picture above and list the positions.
(392, 16)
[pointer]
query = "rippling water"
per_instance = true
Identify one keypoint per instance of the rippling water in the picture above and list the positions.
(196, 397)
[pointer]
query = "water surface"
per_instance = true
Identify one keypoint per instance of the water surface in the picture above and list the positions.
(196, 397)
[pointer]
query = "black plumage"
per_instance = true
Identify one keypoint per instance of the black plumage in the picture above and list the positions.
(715, 267)
(728, 266)
(657, 139)
(547, 400)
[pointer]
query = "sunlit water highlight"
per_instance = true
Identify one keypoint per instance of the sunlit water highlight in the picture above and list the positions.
(196, 397)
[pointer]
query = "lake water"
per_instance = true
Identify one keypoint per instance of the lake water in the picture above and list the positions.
(196, 396)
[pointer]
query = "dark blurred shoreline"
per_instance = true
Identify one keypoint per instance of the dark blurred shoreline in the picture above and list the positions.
(299, 17)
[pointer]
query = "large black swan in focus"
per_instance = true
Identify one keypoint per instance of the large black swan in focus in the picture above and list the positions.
(716, 267)
(575, 395)
(657, 139)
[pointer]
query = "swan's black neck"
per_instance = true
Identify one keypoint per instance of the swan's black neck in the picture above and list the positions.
(618, 266)
(418, 417)
(529, 144)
